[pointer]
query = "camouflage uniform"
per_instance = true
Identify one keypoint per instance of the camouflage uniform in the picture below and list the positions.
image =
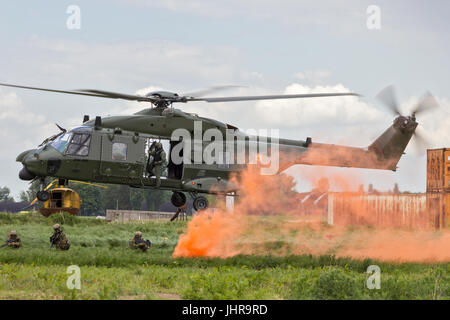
(138, 243)
(150, 160)
(156, 152)
(13, 240)
(59, 239)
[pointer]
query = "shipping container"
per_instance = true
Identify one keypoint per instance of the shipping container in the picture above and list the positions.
(385, 210)
(438, 206)
(438, 170)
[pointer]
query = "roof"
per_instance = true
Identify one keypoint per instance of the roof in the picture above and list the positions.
(12, 206)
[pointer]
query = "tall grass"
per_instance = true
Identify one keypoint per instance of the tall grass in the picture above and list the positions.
(111, 271)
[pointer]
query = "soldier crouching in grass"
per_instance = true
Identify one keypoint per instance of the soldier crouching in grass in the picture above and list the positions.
(59, 239)
(138, 243)
(13, 240)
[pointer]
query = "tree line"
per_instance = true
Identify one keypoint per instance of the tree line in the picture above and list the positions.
(96, 200)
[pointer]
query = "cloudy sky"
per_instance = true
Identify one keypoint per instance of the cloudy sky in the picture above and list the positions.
(266, 46)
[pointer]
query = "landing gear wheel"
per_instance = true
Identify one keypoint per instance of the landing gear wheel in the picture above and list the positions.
(178, 199)
(200, 203)
(43, 196)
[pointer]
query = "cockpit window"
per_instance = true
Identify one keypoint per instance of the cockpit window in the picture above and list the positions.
(79, 145)
(61, 142)
(74, 142)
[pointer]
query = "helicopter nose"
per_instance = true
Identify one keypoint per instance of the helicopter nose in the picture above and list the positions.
(25, 173)
(23, 155)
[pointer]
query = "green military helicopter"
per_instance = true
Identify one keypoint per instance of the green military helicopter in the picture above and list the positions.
(113, 149)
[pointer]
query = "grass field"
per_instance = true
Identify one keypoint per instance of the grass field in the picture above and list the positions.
(111, 271)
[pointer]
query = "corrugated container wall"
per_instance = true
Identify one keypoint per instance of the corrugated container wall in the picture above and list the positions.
(438, 207)
(438, 170)
(401, 210)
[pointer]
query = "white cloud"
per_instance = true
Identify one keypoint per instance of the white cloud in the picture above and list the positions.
(336, 110)
(315, 76)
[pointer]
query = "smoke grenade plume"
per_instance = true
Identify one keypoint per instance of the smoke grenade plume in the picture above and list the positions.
(268, 219)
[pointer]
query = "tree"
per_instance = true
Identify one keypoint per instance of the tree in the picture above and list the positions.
(396, 189)
(5, 195)
(30, 194)
(323, 185)
(90, 198)
(155, 198)
(361, 188)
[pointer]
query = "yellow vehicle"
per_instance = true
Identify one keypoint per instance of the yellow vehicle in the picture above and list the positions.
(61, 200)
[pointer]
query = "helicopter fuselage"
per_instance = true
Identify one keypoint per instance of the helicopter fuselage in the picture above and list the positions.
(114, 150)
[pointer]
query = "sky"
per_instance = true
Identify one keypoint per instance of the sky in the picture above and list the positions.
(267, 47)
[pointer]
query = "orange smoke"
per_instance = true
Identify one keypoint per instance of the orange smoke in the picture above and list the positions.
(267, 219)
(209, 235)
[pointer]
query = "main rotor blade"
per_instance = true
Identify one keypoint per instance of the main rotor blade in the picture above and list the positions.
(87, 92)
(272, 97)
(52, 90)
(117, 95)
(387, 96)
(201, 93)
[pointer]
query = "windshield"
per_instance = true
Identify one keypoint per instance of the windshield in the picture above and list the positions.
(74, 142)
(61, 142)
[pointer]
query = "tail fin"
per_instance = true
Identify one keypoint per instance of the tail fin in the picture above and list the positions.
(390, 146)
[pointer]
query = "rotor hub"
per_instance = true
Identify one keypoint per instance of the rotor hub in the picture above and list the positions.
(406, 124)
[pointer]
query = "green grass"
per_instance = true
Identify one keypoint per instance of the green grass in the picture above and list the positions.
(111, 271)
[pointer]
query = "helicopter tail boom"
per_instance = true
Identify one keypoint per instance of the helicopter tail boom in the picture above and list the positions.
(383, 154)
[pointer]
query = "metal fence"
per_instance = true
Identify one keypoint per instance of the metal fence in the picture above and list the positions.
(135, 215)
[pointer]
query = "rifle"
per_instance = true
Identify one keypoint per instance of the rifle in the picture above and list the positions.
(53, 239)
(147, 244)
(6, 244)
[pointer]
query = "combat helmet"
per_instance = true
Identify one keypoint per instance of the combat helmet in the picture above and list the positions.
(56, 226)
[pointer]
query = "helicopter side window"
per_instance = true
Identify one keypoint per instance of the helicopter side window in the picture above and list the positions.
(79, 145)
(119, 151)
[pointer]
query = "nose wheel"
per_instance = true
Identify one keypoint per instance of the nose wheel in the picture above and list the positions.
(200, 203)
(43, 195)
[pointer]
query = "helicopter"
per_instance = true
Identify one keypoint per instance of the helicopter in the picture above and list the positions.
(113, 149)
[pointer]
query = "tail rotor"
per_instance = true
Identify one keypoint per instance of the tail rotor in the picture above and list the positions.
(406, 123)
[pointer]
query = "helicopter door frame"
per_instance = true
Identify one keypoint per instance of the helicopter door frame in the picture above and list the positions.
(175, 171)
